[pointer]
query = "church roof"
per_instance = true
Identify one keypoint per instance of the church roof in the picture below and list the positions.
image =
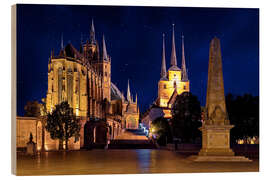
(115, 93)
(164, 79)
(184, 70)
(173, 97)
(104, 49)
(71, 51)
(163, 72)
(173, 55)
(174, 68)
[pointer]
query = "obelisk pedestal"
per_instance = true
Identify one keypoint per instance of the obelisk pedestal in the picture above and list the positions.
(216, 126)
(216, 140)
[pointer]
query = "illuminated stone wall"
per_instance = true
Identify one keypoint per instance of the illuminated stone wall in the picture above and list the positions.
(131, 115)
(25, 126)
(167, 87)
(80, 86)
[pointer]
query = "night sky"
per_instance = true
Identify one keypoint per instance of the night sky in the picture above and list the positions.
(134, 41)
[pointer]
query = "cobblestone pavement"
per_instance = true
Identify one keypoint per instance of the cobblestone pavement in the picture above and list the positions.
(121, 162)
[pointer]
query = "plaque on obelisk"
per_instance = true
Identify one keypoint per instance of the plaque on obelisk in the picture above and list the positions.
(216, 126)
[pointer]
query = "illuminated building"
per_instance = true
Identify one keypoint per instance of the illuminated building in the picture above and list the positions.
(174, 82)
(83, 79)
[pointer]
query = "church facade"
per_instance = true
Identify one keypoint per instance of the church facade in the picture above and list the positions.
(172, 82)
(83, 78)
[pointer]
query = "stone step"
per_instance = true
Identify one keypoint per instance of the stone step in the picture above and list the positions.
(219, 159)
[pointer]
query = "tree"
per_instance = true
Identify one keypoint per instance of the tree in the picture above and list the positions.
(32, 109)
(161, 128)
(186, 117)
(243, 112)
(62, 124)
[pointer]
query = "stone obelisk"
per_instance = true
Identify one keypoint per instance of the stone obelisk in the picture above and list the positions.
(216, 127)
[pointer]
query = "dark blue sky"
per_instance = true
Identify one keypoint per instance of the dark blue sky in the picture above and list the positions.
(134, 41)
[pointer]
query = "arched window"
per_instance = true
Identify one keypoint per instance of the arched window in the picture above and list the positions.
(165, 86)
(70, 86)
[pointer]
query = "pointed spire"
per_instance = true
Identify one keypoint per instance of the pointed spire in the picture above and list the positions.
(123, 98)
(104, 50)
(62, 41)
(163, 64)
(184, 70)
(92, 33)
(81, 48)
(173, 54)
(128, 93)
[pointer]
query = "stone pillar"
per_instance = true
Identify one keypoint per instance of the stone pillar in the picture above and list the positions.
(82, 121)
(216, 128)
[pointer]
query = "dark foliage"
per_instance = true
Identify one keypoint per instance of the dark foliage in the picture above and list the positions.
(32, 109)
(243, 112)
(162, 130)
(62, 124)
(186, 118)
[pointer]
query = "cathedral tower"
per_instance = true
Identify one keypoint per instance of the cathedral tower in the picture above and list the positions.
(105, 68)
(173, 82)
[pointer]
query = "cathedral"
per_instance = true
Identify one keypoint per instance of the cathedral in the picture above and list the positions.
(83, 78)
(172, 82)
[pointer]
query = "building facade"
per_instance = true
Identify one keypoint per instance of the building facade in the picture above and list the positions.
(131, 111)
(173, 82)
(83, 79)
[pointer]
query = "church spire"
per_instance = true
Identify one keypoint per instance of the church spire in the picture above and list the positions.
(104, 50)
(184, 70)
(92, 33)
(128, 93)
(173, 54)
(62, 41)
(163, 65)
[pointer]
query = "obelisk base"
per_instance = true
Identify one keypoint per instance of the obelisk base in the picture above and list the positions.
(216, 145)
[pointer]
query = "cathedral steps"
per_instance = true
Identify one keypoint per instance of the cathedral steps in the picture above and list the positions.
(131, 144)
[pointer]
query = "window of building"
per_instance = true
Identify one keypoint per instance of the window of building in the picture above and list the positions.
(165, 86)
(184, 87)
(106, 74)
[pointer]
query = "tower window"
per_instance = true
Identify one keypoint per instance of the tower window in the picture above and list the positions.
(174, 75)
(165, 86)
(106, 74)
(184, 87)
